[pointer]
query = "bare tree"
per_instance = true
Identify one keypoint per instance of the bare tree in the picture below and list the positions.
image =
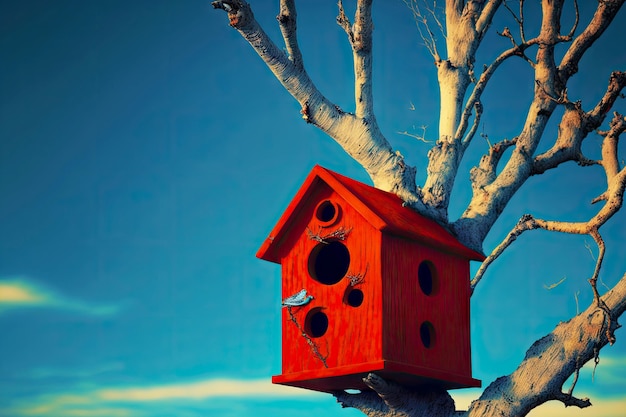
(551, 360)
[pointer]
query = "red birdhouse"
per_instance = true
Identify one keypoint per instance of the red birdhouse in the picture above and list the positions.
(386, 290)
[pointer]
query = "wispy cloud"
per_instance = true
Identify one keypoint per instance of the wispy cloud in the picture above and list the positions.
(601, 405)
(144, 400)
(43, 373)
(22, 293)
(605, 407)
(201, 390)
(157, 400)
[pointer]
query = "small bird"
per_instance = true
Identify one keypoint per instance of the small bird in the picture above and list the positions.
(298, 299)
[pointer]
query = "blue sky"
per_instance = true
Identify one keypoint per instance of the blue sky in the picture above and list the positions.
(146, 152)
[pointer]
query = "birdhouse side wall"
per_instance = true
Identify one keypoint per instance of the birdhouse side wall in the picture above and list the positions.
(342, 325)
(425, 307)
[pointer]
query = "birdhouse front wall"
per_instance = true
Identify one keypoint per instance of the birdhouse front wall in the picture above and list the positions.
(426, 310)
(336, 258)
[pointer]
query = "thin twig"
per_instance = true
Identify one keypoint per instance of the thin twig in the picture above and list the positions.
(339, 234)
(311, 343)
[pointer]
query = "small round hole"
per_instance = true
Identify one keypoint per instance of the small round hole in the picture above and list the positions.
(354, 297)
(316, 323)
(329, 262)
(327, 212)
(427, 277)
(427, 334)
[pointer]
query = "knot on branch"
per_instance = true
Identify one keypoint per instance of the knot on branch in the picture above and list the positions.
(306, 115)
(239, 12)
(506, 33)
(485, 173)
(618, 122)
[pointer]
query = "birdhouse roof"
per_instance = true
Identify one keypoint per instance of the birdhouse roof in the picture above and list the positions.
(381, 209)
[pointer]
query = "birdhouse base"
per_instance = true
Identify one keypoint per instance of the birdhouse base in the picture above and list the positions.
(351, 377)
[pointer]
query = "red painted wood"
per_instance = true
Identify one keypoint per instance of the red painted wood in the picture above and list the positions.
(383, 210)
(405, 307)
(346, 324)
(377, 327)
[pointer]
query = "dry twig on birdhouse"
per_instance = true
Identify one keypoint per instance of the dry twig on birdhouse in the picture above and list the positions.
(312, 344)
(356, 279)
(339, 234)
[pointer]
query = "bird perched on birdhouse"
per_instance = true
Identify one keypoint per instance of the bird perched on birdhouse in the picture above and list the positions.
(369, 286)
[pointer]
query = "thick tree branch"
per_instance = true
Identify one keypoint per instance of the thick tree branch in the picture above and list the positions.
(485, 173)
(360, 137)
(539, 378)
(552, 360)
(389, 399)
(464, 35)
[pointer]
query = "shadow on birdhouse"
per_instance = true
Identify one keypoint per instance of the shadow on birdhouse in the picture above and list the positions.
(369, 286)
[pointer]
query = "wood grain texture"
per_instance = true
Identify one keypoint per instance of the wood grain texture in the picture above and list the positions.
(338, 236)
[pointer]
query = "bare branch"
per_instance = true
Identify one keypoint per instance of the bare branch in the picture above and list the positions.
(360, 36)
(486, 206)
(344, 22)
(287, 19)
(617, 82)
(574, 128)
(421, 20)
(603, 16)
(480, 86)
(455, 75)
(421, 137)
(362, 50)
(610, 161)
(552, 359)
(358, 135)
(569, 400)
(572, 31)
(486, 16)
(525, 223)
(518, 20)
(615, 195)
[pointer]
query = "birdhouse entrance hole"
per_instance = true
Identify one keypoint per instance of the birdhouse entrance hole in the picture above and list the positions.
(329, 262)
(327, 213)
(316, 323)
(353, 297)
(427, 334)
(427, 277)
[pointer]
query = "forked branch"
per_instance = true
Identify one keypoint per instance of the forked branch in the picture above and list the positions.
(358, 134)
(614, 195)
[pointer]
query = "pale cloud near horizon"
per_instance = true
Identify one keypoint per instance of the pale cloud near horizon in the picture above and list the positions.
(605, 407)
(134, 400)
(138, 400)
(204, 389)
(20, 293)
(69, 373)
